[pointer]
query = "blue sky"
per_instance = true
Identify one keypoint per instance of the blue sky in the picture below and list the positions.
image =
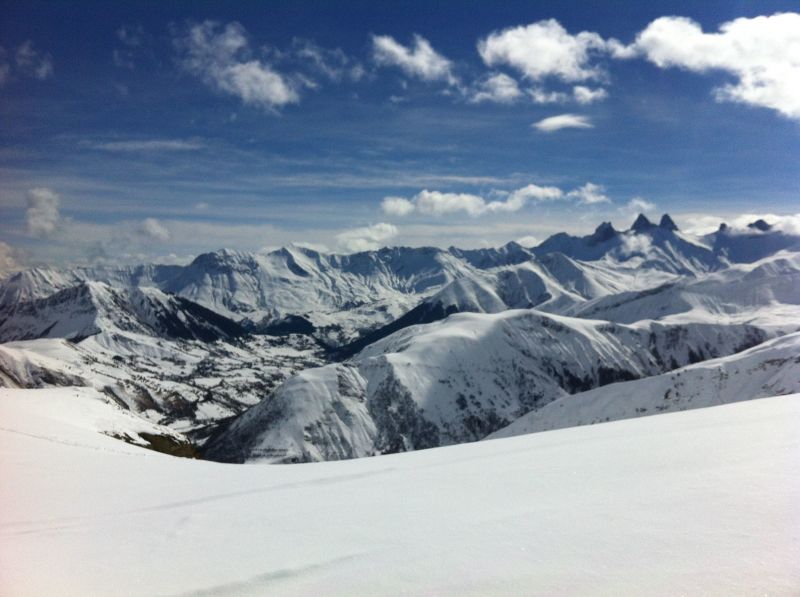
(139, 131)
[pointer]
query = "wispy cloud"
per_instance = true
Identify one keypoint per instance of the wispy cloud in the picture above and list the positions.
(418, 60)
(42, 216)
(25, 60)
(590, 193)
(32, 62)
(10, 260)
(152, 229)
(146, 145)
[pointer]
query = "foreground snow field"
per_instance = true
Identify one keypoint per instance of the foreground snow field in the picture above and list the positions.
(698, 502)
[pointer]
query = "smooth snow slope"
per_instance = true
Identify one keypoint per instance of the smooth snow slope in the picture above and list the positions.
(701, 502)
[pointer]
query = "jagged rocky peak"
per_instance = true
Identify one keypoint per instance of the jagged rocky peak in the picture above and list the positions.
(604, 232)
(761, 225)
(642, 224)
(723, 227)
(668, 223)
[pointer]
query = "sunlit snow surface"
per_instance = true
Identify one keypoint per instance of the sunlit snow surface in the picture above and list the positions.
(698, 502)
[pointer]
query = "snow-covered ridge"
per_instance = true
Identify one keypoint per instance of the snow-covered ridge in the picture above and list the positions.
(89, 308)
(458, 380)
(769, 369)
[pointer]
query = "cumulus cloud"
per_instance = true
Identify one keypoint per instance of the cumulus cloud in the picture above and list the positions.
(221, 58)
(437, 203)
(152, 229)
(762, 53)
(42, 216)
(586, 95)
(419, 60)
(563, 121)
(498, 88)
(545, 49)
(397, 206)
(367, 238)
(589, 193)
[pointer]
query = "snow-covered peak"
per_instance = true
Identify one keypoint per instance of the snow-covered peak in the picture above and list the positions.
(90, 308)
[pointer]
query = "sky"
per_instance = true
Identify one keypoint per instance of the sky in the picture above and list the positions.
(145, 131)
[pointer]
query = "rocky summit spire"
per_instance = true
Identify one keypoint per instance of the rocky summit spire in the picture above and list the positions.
(668, 223)
(642, 224)
(604, 232)
(759, 225)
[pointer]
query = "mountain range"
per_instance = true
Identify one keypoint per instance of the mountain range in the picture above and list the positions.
(297, 355)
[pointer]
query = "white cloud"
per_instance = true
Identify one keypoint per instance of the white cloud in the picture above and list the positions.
(542, 96)
(318, 247)
(702, 223)
(419, 60)
(9, 260)
(148, 145)
(545, 49)
(201, 206)
(528, 241)
(151, 228)
(437, 203)
(368, 238)
(586, 95)
(42, 216)
(639, 205)
(499, 88)
(220, 57)
(763, 53)
(589, 193)
(32, 62)
(397, 206)
(636, 244)
(563, 121)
